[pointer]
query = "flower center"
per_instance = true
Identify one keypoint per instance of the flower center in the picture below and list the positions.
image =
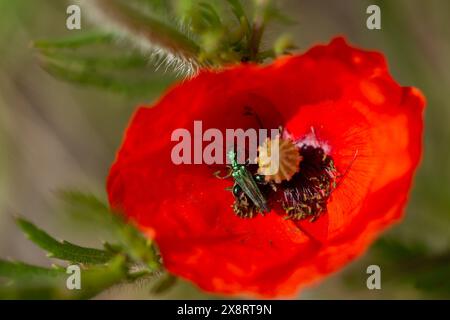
(301, 186)
(305, 196)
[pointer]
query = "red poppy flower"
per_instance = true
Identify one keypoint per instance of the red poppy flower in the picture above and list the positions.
(347, 111)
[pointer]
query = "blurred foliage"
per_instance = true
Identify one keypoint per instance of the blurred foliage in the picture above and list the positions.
(102, 70)
(408, 264)
(131, 258)
(63, 250)
(179, 36)
(53, 134)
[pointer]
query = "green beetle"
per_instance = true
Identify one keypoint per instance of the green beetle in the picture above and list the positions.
(244, 182)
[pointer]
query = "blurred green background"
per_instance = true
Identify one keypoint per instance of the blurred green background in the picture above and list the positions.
(56, 134)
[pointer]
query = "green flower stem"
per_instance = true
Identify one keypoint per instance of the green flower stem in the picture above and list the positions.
(258, 27)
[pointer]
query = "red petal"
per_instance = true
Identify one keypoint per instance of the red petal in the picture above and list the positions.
(370, 125)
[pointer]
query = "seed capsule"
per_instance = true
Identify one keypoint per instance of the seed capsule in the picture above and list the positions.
(289, 160)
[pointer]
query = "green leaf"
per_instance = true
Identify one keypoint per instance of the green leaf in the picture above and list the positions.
(63, 250)
(87, 76)
(94, 280)
(34, 290)
(147, 31)
(16, 270)
(87, 206)
(76, 41)
(132, 241)
(239, 12)
(209, 15)
(96, 62)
